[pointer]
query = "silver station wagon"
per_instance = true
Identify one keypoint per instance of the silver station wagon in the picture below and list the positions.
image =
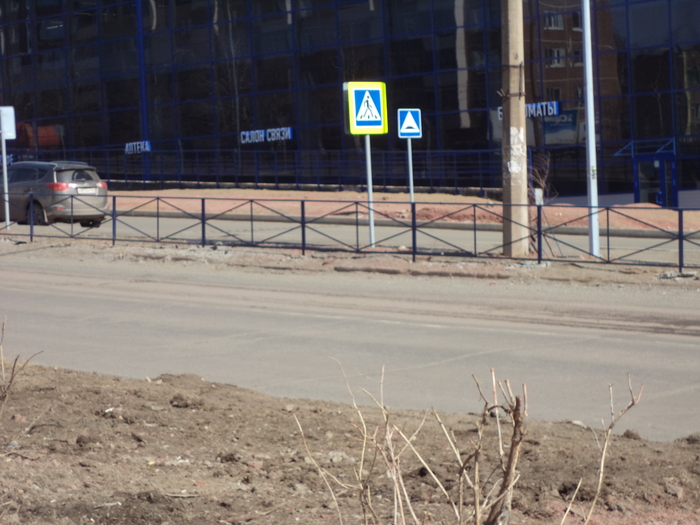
(59, 191)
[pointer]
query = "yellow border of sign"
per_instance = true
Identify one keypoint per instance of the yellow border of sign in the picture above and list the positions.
(352, 88)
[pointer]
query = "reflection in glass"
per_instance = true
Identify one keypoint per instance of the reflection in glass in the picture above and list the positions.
(652, 116)
(649, 24)
(650, 70)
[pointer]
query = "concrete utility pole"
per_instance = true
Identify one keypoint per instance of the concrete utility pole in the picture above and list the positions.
(516, 237)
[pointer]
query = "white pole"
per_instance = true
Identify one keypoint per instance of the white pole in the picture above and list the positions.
(410, 169)
(4, 181)
(592, 163)
(370, 198)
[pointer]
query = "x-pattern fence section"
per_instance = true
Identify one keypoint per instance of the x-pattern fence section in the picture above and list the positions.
(628, 235)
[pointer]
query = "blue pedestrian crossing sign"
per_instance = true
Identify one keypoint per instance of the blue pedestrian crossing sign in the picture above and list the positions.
(366, 102)
(410, 124)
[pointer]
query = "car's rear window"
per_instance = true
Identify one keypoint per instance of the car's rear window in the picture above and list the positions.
(76, 176)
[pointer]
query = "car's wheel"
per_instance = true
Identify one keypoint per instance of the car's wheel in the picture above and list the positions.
(37, 210)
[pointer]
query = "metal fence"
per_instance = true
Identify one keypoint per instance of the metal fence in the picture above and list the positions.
(445, 170)
(628, 235)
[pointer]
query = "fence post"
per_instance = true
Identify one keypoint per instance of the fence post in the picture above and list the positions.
(681, 238)
(607, 221)
(204, 222)
(114, 220)
(539, 234)
(303, 227)
(31, 218)
(413, 230)
(357, 226)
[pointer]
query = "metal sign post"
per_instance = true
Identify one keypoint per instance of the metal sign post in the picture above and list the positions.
(366, 103)
(592, 162)
(8, 131)
(410, 127)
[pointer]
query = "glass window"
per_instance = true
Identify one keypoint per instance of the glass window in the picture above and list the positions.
(463, 130)
(84, 61)
(123, 126)
(193, 84)
(275, 110)
(50, 33)
(555, 56)
(85, 98)
(462, 48)
(190, 13)
(358, 22)
(410, 56)
(51, 67)
(52, 102)
(195, 119)
(649, 24)
(119, 56)
(232, 78)
(160, 87)
(652, 116)
(461, 90)
(320, 106)
(687, 112)
(685, 20)
(233, 9)
(16, 39)
(687, 66)
(576, 21)
(118, 21)
(553, 21)
(234, 115)
(83, 26)
(316, 27)
(273, 73)
(271, 34)
(192, 46)
(613, 77)
(407, 17)
(363, 62)
(161, 124)
(156, 15)
(121, 93)
(413, 92)
(611, 29)
(157, 50)
(318, 68)
(231, 40)
(615, 119)
(266, 7)
(650, 70)
(689, 171)
(449, 14)
(47, 7)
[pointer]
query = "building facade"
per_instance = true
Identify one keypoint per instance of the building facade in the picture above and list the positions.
(233, 91)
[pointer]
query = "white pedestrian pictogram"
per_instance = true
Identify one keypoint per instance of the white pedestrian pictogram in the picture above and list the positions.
(368, 109)
(409, 124)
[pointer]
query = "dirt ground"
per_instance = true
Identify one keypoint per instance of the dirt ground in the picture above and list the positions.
(80, 448)
(85, 448)
(429, 207)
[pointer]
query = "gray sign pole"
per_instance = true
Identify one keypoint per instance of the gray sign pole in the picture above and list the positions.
(5, 196)
(410, 169)
(592, 162)
(370, 198)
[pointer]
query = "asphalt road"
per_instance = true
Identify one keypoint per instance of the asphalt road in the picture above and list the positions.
(286, 333)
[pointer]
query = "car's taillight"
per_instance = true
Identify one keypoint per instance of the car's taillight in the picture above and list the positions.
(102, 184)
(58, 186)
